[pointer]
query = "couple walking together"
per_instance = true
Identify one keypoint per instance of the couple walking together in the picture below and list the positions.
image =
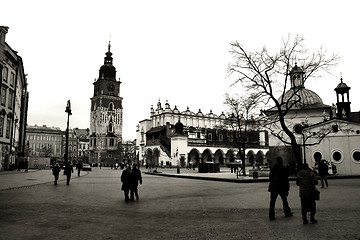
(130, 179)
(279, 185)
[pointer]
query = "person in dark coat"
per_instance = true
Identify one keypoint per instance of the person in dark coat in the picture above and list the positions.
(279, 185)
(79, 167)
(323, 172)
(135, 179)
(306, 180)
(56, 170)
(125, 179)
(67, 171)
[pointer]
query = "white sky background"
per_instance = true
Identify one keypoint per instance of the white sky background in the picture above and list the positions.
(168, 50)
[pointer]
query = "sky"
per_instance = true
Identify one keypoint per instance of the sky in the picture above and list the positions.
(175, 51)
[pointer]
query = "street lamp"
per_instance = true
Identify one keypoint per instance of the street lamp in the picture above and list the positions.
(68, 111)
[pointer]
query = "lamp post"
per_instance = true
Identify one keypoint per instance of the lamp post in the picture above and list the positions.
(68, 111)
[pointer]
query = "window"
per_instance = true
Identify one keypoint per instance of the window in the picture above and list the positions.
(337, 156)
(221, 137)
(111, 142)
(5, 74)
(317, 156)
(111, 106)
(1, 125)
(210, 136)
(8, 123)
(12, 79)
(10, 102)
(3, 96)
(356, 155)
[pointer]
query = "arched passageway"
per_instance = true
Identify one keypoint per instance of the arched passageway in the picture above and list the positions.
(206, 156)
(219, 157)
(194, 157)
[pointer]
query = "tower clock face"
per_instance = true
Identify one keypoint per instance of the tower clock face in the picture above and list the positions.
(111, 87)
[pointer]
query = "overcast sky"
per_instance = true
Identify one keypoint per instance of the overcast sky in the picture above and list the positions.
(168, 50)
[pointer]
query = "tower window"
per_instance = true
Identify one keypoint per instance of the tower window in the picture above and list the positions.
(111, 106)
(110, 128)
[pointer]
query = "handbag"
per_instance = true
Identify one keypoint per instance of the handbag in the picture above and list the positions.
(315, 194)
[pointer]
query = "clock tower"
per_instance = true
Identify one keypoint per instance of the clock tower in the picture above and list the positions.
(106, 115)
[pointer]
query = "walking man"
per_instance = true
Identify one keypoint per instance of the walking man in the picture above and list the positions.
(67, 171)
(79, 167)
(279, 185)
(135, 178)
(56, 170)
(125, 179)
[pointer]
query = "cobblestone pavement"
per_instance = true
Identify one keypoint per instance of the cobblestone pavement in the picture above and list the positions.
(92, 207)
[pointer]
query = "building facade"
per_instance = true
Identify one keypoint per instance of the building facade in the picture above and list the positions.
(341, 146)
(73, 143)
(330, 132)
(13, 105)
(83, 139)
(174, 138)
(44, 144)
(106, 116)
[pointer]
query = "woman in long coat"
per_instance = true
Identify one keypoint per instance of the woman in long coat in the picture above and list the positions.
(306, 180)
(125, 179)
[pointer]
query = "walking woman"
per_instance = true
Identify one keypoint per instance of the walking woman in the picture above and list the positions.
(306, 180)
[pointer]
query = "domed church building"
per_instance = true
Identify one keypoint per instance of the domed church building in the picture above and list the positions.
(329, 132)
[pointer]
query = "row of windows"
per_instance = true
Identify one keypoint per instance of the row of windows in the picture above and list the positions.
(105, 118)
(6, 76)
(44, 137)
(337, 156)
(7, 94)
(2, 125)
(109, 142)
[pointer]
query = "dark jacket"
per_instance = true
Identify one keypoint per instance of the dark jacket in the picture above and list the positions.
(279, 179)
(135, 178)
(68, 169)
(125, 179)
(323, 168)
(56, 170)
(306, 180)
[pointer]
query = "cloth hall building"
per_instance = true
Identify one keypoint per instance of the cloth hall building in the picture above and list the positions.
(179, 138)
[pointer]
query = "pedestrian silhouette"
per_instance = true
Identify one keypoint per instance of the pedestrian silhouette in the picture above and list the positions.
(26, 166)
(135, 179)
(306, 180)
(56, 170)
(67, 171)
(125, 179)
(79, 167)
(279, 185)
(323, 172)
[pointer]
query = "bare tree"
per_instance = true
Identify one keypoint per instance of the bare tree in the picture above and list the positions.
(241, 117)
(269, 75)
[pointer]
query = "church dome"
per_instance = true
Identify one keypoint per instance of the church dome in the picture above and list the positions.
(179, 128)
(108, 71)
(307, 97)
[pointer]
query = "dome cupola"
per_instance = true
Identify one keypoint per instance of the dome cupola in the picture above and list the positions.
(108, 71)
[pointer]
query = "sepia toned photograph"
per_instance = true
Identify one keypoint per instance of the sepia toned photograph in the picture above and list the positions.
(179, 120)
